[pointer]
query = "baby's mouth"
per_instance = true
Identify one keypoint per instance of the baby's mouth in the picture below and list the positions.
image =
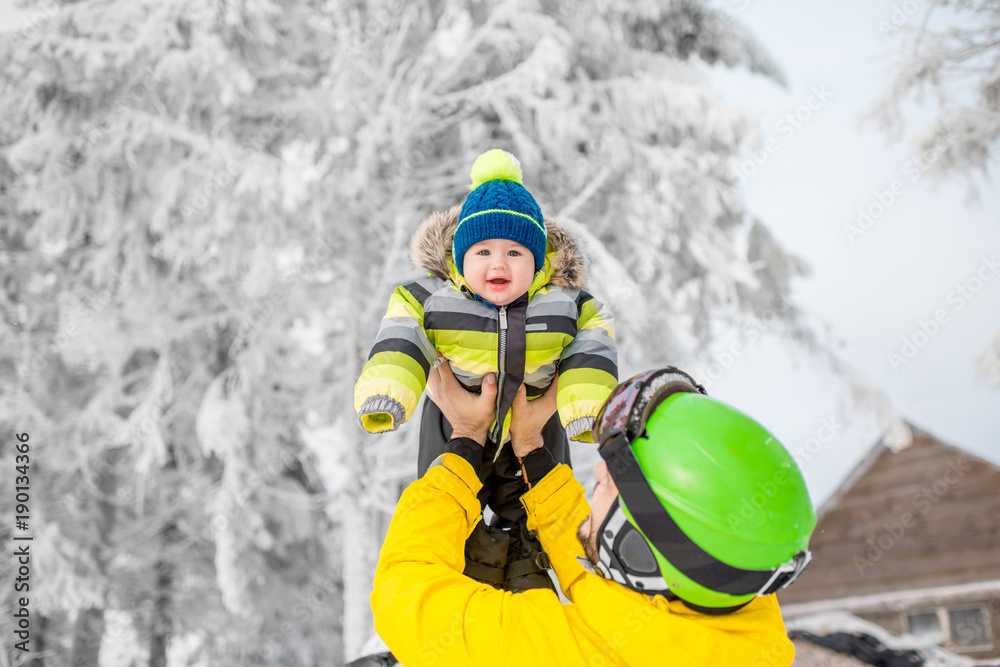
(499, 282)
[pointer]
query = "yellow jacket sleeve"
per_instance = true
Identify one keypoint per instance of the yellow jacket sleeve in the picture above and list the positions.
(395, 374)
(429, 613)
(588, 369)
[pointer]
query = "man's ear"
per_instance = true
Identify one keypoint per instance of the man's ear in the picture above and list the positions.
(606, 477)
(611, 483)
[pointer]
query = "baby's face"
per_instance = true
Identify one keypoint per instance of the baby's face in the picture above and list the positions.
(499, 270)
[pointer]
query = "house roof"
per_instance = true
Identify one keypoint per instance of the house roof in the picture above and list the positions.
(926, 516)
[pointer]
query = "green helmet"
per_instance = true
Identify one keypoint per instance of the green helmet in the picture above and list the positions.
(711, 509)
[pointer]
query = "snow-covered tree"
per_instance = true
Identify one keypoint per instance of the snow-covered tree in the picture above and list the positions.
(149, 211)
(204, 207)
(958, 66)
(989, 362)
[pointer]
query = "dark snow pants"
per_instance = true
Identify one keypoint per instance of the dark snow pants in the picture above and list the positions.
(503, 485)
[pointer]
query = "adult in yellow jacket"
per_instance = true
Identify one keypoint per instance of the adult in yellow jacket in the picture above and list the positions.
(428, 613)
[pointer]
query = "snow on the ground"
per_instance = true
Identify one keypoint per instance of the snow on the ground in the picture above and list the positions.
(808, 654)
(833, 622)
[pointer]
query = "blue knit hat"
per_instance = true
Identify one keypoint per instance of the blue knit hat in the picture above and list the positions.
(499, 207)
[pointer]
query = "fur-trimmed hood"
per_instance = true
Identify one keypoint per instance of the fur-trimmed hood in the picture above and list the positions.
(430, 249)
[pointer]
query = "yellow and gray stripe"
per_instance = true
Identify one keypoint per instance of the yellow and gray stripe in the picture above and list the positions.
(564, 328)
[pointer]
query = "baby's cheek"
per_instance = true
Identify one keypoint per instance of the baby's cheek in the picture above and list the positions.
(473, 277)
(526, 275)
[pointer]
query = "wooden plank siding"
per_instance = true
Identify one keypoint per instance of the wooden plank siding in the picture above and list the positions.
(949, 498)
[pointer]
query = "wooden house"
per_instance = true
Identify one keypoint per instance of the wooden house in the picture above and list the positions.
(911, 541)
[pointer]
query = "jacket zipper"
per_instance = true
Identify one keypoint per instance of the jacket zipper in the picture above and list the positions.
(501, 376)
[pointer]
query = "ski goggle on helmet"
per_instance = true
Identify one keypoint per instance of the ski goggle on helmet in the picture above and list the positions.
(711, 508)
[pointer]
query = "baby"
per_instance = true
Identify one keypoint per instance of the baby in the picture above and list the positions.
(504, 296)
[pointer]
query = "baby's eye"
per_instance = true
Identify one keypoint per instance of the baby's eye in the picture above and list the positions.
(484, 252)
(514, 253)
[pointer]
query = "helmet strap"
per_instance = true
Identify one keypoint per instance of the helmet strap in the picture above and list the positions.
(624, 555)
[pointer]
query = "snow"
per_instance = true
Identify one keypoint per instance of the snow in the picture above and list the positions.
(989, 362)
(829, 623)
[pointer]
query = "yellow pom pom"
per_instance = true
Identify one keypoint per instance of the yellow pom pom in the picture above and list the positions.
(495, 164)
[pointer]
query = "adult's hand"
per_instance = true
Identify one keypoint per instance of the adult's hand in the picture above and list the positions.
(528, 419)
(470, 415)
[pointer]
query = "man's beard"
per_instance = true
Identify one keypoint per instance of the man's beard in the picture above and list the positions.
(588, 542)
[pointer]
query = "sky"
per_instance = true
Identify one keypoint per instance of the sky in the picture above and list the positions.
(897, 282)
(870, 293)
